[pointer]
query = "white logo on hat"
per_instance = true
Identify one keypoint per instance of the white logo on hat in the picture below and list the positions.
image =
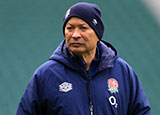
(94, 22)
(65, 87)
(67, 13)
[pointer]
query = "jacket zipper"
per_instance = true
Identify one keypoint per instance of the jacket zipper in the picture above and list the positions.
(89, 94)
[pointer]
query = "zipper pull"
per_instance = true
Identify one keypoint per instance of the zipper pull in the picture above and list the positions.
(91, 108)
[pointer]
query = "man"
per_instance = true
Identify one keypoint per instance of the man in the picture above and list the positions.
(84, 76)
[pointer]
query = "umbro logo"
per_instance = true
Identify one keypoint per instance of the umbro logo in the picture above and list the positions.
(65, 87)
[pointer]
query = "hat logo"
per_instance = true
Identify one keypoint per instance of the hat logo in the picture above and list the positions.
(94, 21)
(67, 13)
(112, 85)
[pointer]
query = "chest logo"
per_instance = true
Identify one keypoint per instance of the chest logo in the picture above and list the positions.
(113, 85)
(65, 87)
(113, 101)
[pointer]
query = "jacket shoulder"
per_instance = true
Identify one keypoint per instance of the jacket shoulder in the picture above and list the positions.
(47, 67)
(123, 63)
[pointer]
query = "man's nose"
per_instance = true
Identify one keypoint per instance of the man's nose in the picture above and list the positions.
(76, 34)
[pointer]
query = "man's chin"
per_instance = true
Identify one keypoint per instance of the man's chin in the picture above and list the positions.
(76, 51)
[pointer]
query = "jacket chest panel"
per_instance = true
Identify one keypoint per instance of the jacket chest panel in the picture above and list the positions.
(72, 94)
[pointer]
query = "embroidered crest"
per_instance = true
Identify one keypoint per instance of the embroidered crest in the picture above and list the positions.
(112, 85)
(67, 13)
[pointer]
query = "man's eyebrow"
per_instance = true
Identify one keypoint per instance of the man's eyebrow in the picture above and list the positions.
(79, 24)
(69, 24)
(83, 24)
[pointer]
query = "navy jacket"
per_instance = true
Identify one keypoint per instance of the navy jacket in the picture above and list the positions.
(62, 86)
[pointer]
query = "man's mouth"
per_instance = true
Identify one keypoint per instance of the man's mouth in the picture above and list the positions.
(76, 44)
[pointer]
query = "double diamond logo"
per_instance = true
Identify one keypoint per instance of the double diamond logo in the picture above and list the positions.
(65, 87)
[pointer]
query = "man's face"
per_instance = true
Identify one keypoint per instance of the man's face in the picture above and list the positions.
(80, 37)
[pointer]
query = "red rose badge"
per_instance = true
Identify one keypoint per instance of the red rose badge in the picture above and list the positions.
(112, 85)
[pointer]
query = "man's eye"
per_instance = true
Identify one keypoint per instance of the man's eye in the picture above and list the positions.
(69, 28)
(84, 28)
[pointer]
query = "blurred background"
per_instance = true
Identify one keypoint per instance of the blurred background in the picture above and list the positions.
(30, 30)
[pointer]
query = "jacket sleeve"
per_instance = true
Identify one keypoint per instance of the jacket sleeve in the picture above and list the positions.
(29, 103)
(138, 104)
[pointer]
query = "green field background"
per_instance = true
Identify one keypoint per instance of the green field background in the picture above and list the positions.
(30, 30)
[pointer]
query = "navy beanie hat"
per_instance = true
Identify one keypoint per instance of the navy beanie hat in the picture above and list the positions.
(88, 12)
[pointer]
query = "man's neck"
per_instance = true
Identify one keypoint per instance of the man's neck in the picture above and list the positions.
(87, 58)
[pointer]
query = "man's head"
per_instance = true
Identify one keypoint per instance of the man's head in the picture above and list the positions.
(80, 38)
(90, 13)
(83, 28)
